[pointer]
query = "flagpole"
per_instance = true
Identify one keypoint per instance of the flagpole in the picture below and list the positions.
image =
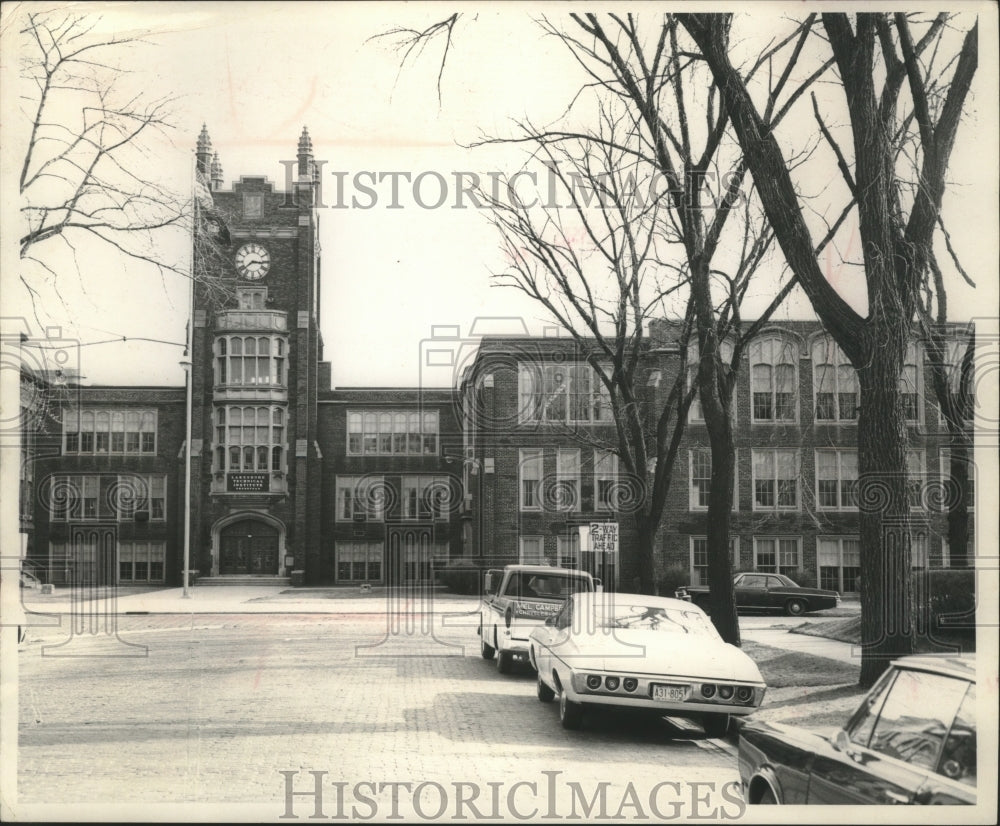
(189, 372)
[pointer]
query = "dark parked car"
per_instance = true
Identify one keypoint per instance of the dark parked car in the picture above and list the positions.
(913, 740)
(763, 592)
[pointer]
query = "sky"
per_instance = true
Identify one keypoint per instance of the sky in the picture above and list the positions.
(256, 73)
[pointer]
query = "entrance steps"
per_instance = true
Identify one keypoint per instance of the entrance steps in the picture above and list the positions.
(243, 579)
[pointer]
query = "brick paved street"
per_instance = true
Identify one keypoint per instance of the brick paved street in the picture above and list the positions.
(224, 702)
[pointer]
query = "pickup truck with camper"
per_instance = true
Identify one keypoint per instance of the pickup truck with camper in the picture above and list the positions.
(518, 599)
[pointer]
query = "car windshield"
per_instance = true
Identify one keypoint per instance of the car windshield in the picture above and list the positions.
(551, 586)
(653, 618)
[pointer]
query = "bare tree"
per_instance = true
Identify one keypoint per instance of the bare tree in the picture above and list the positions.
(592, 256)
(720, 238)
(85, 178)
(897, 215)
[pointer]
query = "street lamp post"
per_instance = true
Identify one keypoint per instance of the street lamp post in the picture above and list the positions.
(188, 382)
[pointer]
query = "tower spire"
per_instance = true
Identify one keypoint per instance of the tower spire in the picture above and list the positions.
(216, 172)
(305, 155)
(203, 151)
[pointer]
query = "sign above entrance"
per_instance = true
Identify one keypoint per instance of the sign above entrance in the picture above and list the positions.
(247, 483)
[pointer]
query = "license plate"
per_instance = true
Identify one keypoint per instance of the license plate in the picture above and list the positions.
(672, 693)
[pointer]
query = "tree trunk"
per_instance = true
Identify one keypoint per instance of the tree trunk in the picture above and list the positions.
(715, 408)
(645, 551)
(887, 613)
(720, 504)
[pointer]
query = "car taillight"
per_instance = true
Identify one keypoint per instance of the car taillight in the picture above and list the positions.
(708, 690)
(612, 683)
(726, 692)
(630, 683)
(744, 694)
(593, 682)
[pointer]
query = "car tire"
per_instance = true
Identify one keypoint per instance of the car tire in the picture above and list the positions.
(767, 798)
(545, 694)
(570, 713)
(795, 607)
(504, 662)
(485, 648)
(715, 725)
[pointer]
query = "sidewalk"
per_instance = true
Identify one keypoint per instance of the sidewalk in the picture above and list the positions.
(249, 599)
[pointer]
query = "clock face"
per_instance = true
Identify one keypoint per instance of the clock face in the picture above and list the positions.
(252, 262)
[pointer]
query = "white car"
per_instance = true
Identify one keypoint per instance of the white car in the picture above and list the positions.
(642, 652)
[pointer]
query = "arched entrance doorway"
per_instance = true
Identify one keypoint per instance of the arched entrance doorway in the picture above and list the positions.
(248, 546)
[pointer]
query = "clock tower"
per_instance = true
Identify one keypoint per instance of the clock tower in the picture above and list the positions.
(255, 373)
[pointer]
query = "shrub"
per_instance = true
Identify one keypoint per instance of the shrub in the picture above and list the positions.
(461, 577)
(671, 578)
(805, 578)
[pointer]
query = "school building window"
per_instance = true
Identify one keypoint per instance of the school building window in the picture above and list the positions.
(123, 497)
(425, 497)
(249, 438)
(839, 562)
(835, 383)
(359, 561)
(836, 480)
(360, 498)
(531, 550)
(109, 432)
(392, 433)
(564, 392)
(242, 361)
(605, 480)
(777, 555)
(141, 561)
(696, 412)
(773, 379)
(530, 472)
(699, 558)
(776, 480)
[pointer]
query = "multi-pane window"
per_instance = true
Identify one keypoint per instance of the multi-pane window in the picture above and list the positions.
(562, 393)
(400, 432)
(916, 476)
(109, 431)
(699, 558)
(425, 497)
(530, 482)
(700, 474)
(919, 550)
(106, 496)
(776, 479)
(772, 379)
(605, 480)
(839, 561)
(568, 549)
(360, 498)
(776, 555)
(909, 383)
(970, 484)
(696, 412)
(250, 360)
(532, 550)
(359, 561)
(567, 493)
(141, 561)
(835, 383)
(959, 375)
(249, 438)
(836, 479)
